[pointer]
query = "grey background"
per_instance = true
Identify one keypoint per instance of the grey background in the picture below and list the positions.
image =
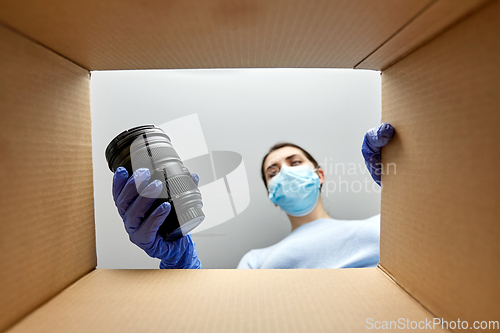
(326, 111)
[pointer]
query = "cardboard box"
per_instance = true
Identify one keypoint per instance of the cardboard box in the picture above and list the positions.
(440, 234)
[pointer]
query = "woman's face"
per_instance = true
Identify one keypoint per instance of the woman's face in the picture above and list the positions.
(290, 156)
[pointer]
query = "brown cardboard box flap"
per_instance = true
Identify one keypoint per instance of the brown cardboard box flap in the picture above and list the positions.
(221, 300)
(435, 18)
(47, 230)
(129, 34)
(440, 230)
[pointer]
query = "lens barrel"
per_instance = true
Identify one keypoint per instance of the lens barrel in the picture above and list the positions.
(149, 147)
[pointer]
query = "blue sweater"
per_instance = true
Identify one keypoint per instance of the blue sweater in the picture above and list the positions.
(322, 243)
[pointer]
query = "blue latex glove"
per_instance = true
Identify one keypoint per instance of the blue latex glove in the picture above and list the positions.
(143, 231)
(375, 139)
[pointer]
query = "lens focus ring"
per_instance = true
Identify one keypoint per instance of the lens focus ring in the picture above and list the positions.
(180, 184)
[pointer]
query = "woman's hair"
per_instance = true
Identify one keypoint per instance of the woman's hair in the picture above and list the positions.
(281, 145)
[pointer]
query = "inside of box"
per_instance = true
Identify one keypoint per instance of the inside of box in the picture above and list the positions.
(48, 235)
(439, 212)
(226, 34)
(226, 300)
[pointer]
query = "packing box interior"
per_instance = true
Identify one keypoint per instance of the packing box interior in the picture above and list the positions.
(440, 232)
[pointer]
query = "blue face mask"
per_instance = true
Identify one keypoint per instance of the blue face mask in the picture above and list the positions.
(295, 189)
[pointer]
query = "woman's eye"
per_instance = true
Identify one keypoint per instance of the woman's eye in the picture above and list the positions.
(298, 162)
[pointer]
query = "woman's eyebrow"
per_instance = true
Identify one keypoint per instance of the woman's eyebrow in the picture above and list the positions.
(287, 158)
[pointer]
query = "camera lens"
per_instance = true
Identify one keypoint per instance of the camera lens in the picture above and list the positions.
(149, 147)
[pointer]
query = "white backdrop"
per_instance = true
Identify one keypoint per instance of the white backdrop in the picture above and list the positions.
(326, 111)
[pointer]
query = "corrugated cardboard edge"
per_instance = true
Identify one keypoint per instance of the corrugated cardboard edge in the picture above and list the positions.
(388, 275)
(119, 35)
(439, 236)
(47, 229)
(43, 304)
(433, 20)
(18, 32)
(222, 300)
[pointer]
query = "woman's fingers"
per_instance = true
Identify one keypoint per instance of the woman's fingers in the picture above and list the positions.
(378, 137)
(152, 223)
(119, 180)
(373, 142)
(137, 210)
(131, 190)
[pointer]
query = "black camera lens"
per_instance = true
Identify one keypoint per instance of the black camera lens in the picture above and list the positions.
(149, 147)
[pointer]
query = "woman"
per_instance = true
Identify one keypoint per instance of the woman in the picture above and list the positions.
(294, 180)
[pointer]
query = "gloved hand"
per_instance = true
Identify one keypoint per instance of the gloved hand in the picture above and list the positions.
(143, 231)
(375, 139)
